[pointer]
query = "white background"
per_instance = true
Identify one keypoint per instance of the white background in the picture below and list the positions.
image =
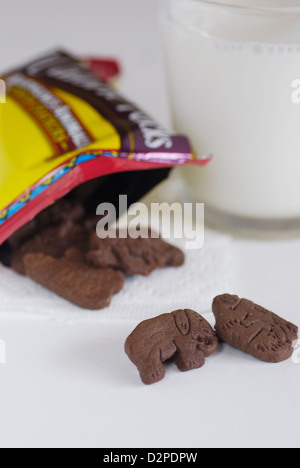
(69, 383)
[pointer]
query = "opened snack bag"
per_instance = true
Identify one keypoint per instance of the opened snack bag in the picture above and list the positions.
(62, 125)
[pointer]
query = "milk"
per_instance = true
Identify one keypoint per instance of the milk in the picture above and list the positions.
(231, 78)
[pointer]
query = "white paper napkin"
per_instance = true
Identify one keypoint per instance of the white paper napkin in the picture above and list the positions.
(206, 273)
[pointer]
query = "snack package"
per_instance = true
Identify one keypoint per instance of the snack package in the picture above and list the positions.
(62, 125)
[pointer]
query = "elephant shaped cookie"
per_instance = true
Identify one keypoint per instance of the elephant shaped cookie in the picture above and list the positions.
(183, 335)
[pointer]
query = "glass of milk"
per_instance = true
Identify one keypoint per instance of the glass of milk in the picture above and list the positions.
(234, 83)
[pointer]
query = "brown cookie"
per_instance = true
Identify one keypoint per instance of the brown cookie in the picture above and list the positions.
(252, 329)
(65, 210)
(183, 335)
(134, 256)
(53, 241)
(73, 280)
(23, 234)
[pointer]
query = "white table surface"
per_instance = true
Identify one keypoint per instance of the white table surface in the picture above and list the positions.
(70, 384)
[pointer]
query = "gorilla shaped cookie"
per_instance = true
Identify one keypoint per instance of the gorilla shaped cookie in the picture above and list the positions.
(252, 329)
(183, 335)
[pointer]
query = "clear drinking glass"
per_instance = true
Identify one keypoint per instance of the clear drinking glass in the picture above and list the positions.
(234, 84)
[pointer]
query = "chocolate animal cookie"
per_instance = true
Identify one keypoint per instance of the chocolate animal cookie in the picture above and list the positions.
(64, 210)
(70, 278)
(134, 256)
(53, 241)
(183, 335)
(252, 329)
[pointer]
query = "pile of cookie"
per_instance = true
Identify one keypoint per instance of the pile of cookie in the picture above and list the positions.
(189, 339)
(60, 250)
